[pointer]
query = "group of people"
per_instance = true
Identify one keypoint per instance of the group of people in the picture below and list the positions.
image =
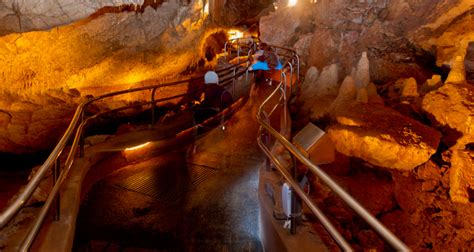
(215, 98)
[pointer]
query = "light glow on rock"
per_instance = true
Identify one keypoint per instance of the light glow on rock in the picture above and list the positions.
(206, 8)
(235, 34)
(137, 147)
(292, 3)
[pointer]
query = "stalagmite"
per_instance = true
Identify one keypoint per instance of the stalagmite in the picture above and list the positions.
(362, 77)
(327, 83)
(456, 75)
(347, 94)
(372, 94)
(410, 88)
(362, 95)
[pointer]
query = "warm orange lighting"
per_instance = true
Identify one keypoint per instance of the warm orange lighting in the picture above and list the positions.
(206, 8)
(235, 34)
(137, 147)
(292, 3)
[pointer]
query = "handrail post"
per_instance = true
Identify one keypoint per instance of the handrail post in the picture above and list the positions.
(233, 82)
(56, 173)
(225, 51)
(81, 139)
(153, 106)
(238, 53)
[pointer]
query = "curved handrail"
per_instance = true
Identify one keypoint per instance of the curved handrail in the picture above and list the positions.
(263, 120)
(77, 126)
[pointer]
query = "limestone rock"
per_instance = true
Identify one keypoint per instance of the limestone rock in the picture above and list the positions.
(362, 95)
(326, 90)
(383, 137)
(457, 74)
(278, 27)
(346, 96)
(362, 77)
(372, 94)
(469, 63)
(323, 49)
(34, 124)
(309, 83)
(410, 88)
(327, 83)
(451, 107)
(22, 16)
(461, 175)
(431, 84)
(302, 47)
(308, 88)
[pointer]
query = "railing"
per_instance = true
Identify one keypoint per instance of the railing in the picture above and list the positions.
(75, 132)
(266, 130)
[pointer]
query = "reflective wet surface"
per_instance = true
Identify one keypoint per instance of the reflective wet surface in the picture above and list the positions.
(201, 196)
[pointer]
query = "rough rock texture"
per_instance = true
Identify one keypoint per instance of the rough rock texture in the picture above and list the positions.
(409, 88)
(400, 37)
(469, 63)
(373, 95)
(451, 107)
(23, 16)
(383, 137)
(104, 53)
(235, 12)
(429, 220)
(448, 31)
(96, 53)
(457, 73)
(37, 123)
(279, 27)
(461, 176)
(431, 84)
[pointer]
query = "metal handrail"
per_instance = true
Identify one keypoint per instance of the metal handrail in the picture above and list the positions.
(263, 120)
(77, 126)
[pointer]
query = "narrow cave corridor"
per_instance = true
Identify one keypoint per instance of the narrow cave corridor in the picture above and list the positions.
(212, 125)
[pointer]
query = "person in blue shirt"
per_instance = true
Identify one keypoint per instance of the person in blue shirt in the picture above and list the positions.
(265, 59)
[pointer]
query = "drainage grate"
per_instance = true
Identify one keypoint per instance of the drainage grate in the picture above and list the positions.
(164, 186)
(200, 173)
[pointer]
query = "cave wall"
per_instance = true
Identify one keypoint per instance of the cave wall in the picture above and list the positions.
(45, 74)
(235, 12)
(24, 16)
(400, 36)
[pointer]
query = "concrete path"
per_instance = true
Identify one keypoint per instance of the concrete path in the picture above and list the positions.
(201, 196)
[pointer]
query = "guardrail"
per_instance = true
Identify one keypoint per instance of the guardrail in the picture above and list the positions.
(75, 132)
(266, 130)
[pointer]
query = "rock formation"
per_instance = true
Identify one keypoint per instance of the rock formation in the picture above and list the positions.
(431, 84)
(279, 27)
(110, 52)
(308, 87)
(383, 137)
(346, 96)
(469, 63)
(409, 88)
(461, 176)
(23, 16)
(451, 107)
(457, 73)
(362, 77)
(362, 95)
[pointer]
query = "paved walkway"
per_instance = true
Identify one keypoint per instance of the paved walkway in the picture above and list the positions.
(201, 196)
